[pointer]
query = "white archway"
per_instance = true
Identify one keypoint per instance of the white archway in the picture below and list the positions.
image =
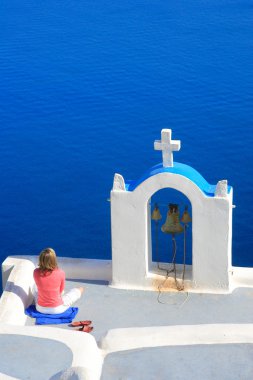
(211, 233)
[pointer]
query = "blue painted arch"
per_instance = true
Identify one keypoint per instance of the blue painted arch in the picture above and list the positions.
(178, 168)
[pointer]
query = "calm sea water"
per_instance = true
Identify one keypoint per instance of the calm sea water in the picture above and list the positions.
(87, 86)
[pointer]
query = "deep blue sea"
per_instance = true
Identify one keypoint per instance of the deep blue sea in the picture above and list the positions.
(85, 89)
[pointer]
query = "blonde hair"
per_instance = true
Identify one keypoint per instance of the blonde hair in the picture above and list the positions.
(47, 260)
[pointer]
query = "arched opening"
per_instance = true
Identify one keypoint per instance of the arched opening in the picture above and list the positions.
(170, 234)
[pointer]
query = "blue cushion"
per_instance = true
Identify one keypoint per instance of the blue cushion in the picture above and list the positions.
(50, 319)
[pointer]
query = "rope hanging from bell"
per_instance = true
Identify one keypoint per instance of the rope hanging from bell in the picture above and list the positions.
(172, 226)
(156, 217)
(186, 219)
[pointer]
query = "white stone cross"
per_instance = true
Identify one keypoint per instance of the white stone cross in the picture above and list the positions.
(167, 146)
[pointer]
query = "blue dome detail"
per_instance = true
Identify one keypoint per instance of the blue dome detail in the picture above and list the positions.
(178, 168)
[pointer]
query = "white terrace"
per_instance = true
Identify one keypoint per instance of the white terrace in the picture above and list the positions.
(139, 335)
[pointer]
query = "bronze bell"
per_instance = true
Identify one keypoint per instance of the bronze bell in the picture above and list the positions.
(172, 224)
(186, 218)
(156, 215)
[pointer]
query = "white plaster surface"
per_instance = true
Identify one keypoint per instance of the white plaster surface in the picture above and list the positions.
(127, 320)
(17, 293)
(134, 338)
(118, 182)
(242, 277)
(207, 362)
(222, 189)
(83, 346)
(6, 377)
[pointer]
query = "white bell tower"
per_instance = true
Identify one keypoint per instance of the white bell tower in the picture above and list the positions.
(211, 224)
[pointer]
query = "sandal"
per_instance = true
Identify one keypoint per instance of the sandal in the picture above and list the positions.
(80, 323)
(86, 329)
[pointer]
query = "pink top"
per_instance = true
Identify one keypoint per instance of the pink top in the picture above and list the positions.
(50, 286)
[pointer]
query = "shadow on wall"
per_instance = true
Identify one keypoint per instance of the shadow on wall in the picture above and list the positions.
(19, 364)
(19, 291)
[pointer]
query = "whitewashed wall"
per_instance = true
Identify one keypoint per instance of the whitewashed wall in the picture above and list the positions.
(211, 234)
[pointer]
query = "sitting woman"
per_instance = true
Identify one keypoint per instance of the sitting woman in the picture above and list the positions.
(50, 282)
